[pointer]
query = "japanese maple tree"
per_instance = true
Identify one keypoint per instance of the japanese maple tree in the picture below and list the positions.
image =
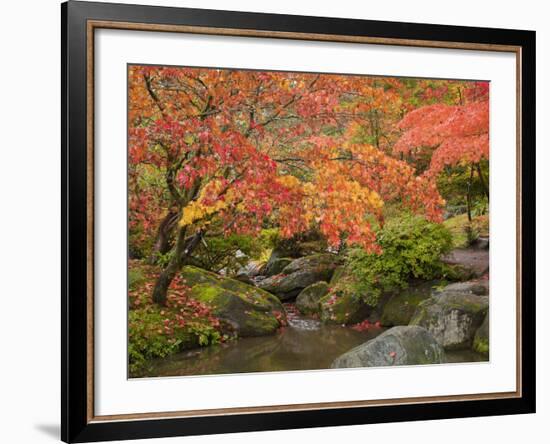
(457, 134)
(244, 147)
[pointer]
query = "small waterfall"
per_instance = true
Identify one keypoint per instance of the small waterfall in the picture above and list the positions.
(297, 321)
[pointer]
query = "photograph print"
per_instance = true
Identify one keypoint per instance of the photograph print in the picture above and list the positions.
(282, 221)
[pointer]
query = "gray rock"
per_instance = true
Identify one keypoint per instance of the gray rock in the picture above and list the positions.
(307, 301)
(326, 263)
(470, 262)
(403, 345)
(299, 274)
(452, 318)
(252, 269)
(297, 247)
(276, 266)
(479, 287)
(401, 306)
(343, 308)
(242, 277)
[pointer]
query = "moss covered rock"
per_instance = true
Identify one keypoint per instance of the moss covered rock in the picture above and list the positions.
(246, 310)
(479, 287)
(453, 318)
(308, 300)
(400, 307)
(195, 275)
(299, 274)
(343, 308)
(312, 247)
(298, 246)
(324, 264)
(277, 266)
(237, 313)
(481, 338)
(404, 345)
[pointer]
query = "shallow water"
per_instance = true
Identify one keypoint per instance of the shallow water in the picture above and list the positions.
(305, 344)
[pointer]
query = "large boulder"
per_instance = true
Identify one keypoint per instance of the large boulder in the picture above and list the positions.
(453, 318)
(323, 264)
(276, 266)
(299, 274)
(296, 247)
(479, 287)
(403, 345)
(191, 276)
(308, 300)
(243, 309)
(343, 308)
(401, 306)
(343, 305)
(468, 263)
(481, 338)
(243, 277)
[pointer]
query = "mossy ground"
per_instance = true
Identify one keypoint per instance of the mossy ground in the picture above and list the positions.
(200, 307)
(457, 225)
(155, 331)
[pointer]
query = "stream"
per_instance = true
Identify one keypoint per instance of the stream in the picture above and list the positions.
(306, 344)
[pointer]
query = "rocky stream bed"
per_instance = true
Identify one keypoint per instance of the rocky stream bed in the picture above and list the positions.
(286, 320)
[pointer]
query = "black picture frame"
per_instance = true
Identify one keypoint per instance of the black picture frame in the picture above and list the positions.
(76, 423)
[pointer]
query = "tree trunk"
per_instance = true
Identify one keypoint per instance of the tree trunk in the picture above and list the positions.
(482, 180)
(184, 248)
(162, 243)
(469, 195)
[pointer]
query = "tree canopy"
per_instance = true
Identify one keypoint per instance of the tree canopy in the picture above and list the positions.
(224, 151)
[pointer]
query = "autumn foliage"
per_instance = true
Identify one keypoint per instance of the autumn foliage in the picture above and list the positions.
(459, 133)
(215, 151)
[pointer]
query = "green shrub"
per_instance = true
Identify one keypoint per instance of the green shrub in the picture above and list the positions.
(268, 238)
(411, 249)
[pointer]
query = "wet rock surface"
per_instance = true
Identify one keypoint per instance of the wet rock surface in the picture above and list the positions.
(452, 318)
(404, 345)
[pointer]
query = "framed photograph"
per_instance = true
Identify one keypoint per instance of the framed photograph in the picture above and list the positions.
(275, 221)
